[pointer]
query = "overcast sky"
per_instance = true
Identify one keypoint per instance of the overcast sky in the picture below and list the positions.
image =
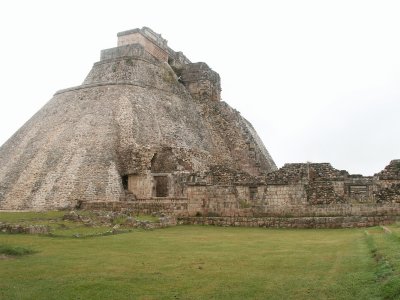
(319, 80)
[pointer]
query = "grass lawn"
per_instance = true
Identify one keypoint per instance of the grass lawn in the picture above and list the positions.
(204, 262)
(29, 216)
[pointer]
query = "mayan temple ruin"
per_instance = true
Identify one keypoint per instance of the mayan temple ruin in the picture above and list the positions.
(147, 131)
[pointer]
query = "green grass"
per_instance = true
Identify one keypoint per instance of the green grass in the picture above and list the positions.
(146, 218)
(72, 229)
(199, 262)
(18, 217)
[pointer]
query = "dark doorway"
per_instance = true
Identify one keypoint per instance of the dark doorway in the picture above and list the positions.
(161, 183)
(253, 192)
(125, 181)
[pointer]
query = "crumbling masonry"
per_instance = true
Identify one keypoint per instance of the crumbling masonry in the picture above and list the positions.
(147, 131)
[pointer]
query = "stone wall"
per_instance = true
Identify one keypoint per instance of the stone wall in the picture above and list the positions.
(141, 70)
(228, 198)
(202, 82)
(322, 184)
(387, 188)
(324, 210)
(174, 207)
(288, 222)
(388, 193)
(282, 195)
(210, 199)
(140, 186)
(152, 42)
(223, 192)
(134, 50)
(391, 171)
(129, 36)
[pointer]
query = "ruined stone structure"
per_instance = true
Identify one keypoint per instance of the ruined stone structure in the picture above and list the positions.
(146, 125)
(147, 131)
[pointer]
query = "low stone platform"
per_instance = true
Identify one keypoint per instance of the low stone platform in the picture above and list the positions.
(147, 207)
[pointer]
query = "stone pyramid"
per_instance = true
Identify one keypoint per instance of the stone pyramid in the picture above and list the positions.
(144, 122)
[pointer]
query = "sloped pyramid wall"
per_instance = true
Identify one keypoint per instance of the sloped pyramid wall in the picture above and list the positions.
(85, 139)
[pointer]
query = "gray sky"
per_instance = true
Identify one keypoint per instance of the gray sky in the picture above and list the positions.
(319, 80)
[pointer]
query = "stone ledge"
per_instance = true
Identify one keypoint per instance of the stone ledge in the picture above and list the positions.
(174, 207)
(92, 85)
(107, 61)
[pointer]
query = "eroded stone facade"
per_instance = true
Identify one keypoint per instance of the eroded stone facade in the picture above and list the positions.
(143, 126)
(147, 131)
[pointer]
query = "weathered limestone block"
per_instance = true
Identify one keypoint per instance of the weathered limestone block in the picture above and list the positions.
(28, 229)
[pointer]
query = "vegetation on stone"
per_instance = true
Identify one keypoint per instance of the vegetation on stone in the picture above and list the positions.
(78, 223)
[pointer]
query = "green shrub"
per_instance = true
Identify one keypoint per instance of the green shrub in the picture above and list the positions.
(15, 250)
(244, 204)
(120, 220)
(168, 76)
(129, 61)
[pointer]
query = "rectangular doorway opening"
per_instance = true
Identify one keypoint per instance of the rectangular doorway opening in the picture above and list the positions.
(161, 186)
